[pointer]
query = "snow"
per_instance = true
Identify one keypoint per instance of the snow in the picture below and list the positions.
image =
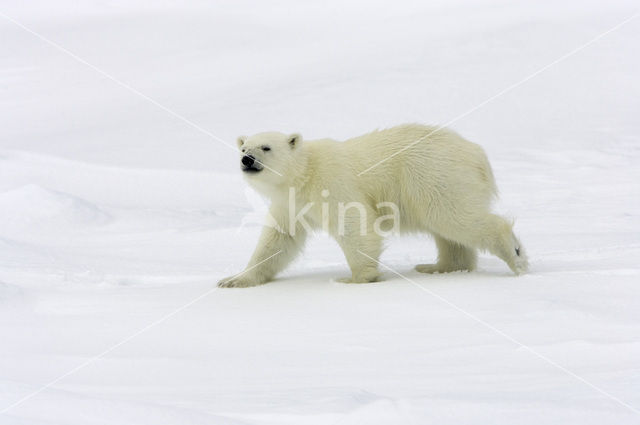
(118, 218)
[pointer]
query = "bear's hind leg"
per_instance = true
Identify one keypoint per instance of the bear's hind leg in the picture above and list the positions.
(500, 240)
(492, 233)
(452, 257)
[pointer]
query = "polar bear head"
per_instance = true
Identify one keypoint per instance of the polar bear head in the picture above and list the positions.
(271, 159)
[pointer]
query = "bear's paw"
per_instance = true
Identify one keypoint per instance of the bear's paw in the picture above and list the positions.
(238, 281)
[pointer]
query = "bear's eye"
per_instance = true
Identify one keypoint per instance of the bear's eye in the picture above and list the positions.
(266, 148)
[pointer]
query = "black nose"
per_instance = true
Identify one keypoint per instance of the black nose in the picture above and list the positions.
(248, 160)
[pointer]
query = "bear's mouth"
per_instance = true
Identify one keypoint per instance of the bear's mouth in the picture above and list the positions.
(251, 170)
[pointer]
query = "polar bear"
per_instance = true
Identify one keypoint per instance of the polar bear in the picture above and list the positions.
(431, 179)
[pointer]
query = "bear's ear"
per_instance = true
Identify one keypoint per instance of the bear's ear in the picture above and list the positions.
(295, 140)
(240, 140)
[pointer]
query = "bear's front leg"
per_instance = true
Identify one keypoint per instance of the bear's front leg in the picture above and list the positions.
(361, 252)
(275, 250)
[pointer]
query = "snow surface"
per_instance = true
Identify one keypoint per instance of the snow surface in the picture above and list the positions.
(117, 218)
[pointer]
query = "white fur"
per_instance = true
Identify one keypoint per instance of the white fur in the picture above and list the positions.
(442, 185)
